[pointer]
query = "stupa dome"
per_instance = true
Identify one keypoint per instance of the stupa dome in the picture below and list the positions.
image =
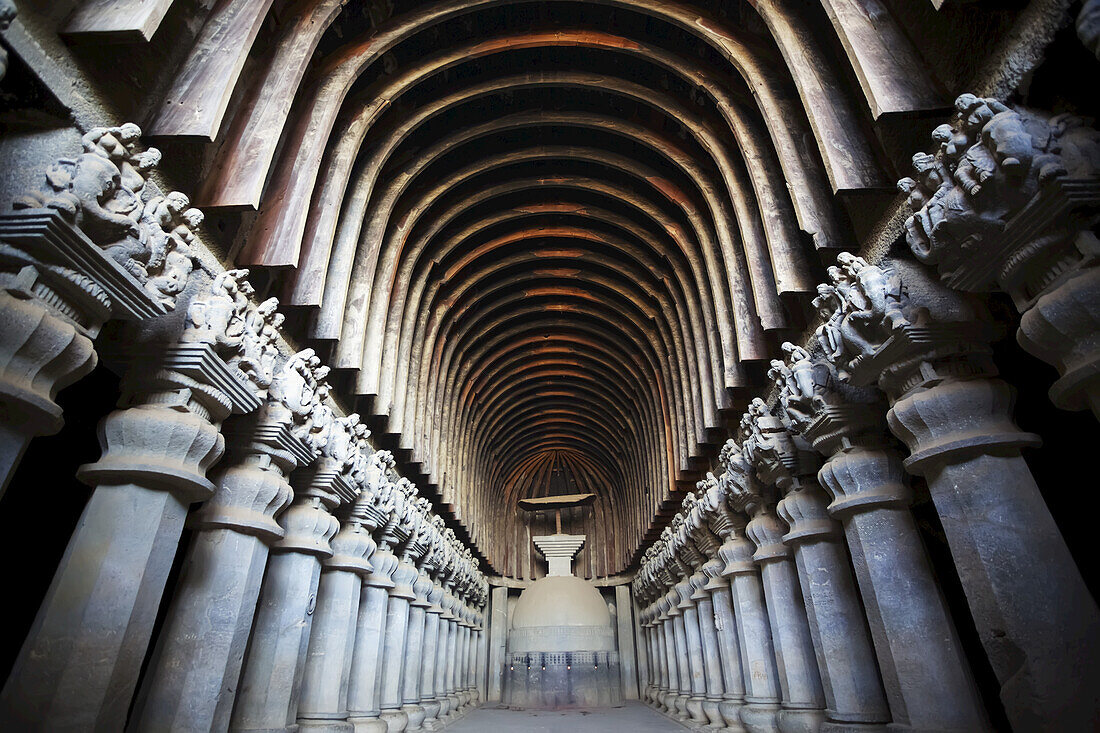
(560, 600)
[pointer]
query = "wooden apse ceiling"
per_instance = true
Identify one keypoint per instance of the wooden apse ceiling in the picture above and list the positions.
(541, 241)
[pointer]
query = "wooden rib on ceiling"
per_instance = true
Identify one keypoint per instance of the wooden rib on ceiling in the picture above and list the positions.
(523, 270)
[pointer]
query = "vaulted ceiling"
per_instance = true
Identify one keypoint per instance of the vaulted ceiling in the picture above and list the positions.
(544, 239)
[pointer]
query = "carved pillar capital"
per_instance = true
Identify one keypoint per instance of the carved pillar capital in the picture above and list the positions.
(1008, 200)
(829, 413)
(861, 478)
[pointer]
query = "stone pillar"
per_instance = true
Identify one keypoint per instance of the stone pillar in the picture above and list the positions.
(926, 674)
(845, 655)
(476, 633)
(927, 349)
(713, 510)
(462, 650)
(270, 684)
(79, 664)
(842, 642)
(699, 544)
(660, 651)
(428, 692)
(757, 651)
(712, 663)
(415, 649)
(323, 706)
(644, 644)
(225, 562)
(668, 646)
(370, 626)
(498, 632)
(678, 639)
(397, 611)
(481, 665)
(924, 670)
(450, 603)
(440, 684)
(693, 648)
(627, 660)
(803, 696)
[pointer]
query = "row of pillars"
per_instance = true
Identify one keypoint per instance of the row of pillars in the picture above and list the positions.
(793, 592)
(317, 590)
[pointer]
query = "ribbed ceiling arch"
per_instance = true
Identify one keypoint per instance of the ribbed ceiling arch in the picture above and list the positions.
(546, 246)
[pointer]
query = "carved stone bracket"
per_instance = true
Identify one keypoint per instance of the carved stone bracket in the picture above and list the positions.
(1009, 201)
(97, 288)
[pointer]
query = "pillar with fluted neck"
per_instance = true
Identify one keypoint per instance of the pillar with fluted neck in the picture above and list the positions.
(449, 687)
(428, 699)
(323, 706)
(693, 644)
(757, 649)
(714, 511)
(645, 623)
(803, 701)
(678, 656)
(702, 550)
(416, 646)
(668, 643)
(462, 649)
(854, 696)
(397, 613)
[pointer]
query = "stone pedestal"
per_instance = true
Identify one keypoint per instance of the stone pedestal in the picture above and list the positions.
(79, 665)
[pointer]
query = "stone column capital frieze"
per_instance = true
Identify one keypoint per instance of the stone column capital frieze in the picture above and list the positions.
(1001, 200)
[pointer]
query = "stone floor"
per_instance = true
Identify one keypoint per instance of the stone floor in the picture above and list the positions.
(633, 717)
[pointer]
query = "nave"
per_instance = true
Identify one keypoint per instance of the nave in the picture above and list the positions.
(371, 366)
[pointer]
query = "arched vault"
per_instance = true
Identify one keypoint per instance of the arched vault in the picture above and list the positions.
(547, 247)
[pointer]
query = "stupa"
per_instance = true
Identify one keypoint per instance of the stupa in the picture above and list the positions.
(561, 645)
